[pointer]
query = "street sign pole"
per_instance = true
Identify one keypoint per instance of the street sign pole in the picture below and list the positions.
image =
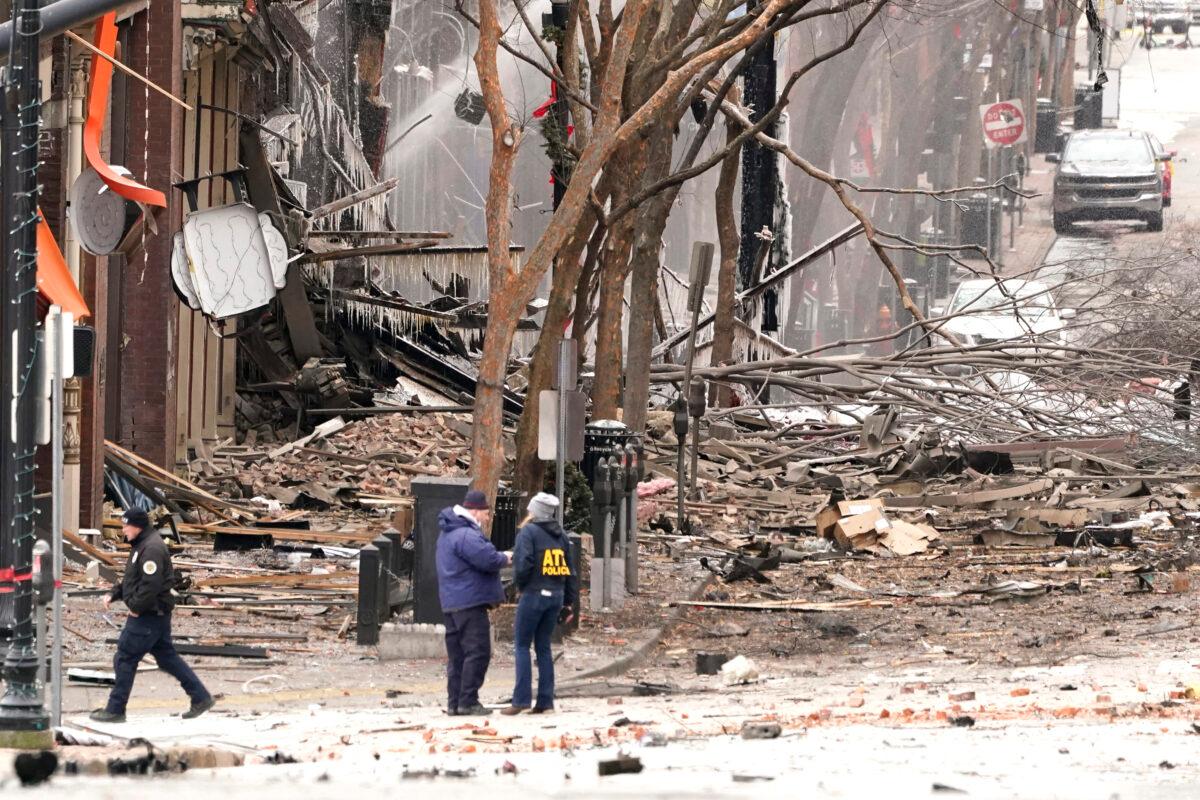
(999, 223)
(60, 333)
(988, 236)
(566, 371)
(1003, 125)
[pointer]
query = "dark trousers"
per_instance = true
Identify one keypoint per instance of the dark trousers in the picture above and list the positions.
(468, 651)
(149, 635)
(537, 615)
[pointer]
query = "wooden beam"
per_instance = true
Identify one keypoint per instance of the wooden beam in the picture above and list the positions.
(380, 234)
(342, 203)
(281, 579)
(132, 73)
(370, 250)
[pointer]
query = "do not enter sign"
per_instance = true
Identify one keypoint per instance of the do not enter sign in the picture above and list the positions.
(1003, 123)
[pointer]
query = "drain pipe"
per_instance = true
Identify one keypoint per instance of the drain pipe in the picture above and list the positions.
(62, 15)
(72, 387)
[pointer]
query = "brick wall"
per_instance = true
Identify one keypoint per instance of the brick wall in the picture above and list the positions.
(147, 303)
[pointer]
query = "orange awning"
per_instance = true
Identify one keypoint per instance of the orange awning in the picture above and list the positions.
(54, 279)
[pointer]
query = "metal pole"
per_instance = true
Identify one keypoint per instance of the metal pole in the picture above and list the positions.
(632, 479)
(1012, 207)
(987, 236)
(1020, 201)
(696, 396)
(998, 197)
(605, 491)
(619, 495)
(565, 351)
(23, 718)
(61, 329)
(8, 177)
(681, 474)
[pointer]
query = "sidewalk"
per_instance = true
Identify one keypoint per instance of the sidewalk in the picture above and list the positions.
(1034, 238)
(1087, 726)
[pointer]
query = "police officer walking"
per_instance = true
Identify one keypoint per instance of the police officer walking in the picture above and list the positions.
(468, 568)
(146, 591)
(549, 588)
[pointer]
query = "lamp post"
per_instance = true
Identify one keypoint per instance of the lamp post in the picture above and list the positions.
(23, 719)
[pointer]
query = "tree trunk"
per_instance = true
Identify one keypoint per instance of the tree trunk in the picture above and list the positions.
(583, 291)
(727, 236)
(504, 304)
(529, 468)
(643, 288)
(487, 452)
(614, 268)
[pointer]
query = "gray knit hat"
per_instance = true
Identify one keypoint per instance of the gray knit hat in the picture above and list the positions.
(543, 507)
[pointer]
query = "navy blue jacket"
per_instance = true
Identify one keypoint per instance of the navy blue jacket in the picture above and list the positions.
(149, 576)
(468, 565)
(542, 560)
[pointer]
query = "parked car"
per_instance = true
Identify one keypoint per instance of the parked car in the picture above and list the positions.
(1166, 160)
(1107, 174)
(1003, 311)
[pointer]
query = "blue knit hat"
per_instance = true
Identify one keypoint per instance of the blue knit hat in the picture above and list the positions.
(476, 501)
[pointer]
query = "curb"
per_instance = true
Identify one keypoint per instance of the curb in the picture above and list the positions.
(643, 648)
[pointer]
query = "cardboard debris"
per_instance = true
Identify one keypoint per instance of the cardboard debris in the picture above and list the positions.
(860, 531)
(850, 508)
(905, 539)
(865, 528)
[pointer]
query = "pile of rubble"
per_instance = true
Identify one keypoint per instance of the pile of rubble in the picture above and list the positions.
(366, 464)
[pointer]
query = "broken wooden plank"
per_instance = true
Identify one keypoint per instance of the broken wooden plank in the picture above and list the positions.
(786, 605)
(170, 477)
(288, 534)
(368, 250)
(85, 546)
(286, 579)
(222, 651)
(393, 303)
(971, 498)
(380, 234)
(351, 200)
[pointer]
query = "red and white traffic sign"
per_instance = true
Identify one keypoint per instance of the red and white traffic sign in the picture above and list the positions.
(1003, 123)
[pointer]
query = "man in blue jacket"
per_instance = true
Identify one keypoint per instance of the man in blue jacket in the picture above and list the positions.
(468, 568)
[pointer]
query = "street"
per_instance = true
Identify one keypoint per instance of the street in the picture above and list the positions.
(1157, 95)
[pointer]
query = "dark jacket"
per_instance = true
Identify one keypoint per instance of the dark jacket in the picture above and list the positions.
(149, 576)
(468, 565)
(542, 560)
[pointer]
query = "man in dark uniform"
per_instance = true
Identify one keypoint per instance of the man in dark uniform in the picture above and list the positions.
(146, 591)
(468, 567)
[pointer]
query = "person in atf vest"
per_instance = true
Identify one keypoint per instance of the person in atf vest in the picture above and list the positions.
(549, 586)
